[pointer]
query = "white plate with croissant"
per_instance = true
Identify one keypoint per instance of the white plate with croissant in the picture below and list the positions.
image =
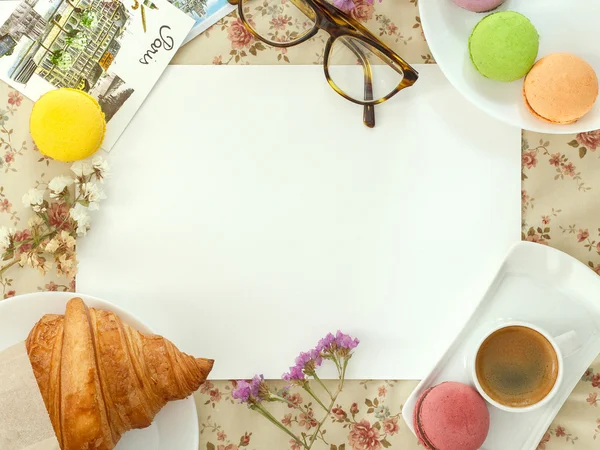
(134, 374)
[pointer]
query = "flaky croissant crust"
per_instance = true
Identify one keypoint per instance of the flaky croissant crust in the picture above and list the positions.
(100, 378)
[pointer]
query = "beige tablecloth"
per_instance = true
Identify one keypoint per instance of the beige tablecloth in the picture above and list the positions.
(561, 208)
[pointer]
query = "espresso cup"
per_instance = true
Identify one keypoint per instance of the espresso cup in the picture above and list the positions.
(518, 367)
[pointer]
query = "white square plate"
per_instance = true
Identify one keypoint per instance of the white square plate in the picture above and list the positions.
(542, 286)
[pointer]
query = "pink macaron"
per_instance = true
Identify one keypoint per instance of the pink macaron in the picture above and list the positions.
(451, 416)
(479, 5)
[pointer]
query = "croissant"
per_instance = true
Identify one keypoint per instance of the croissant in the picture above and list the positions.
(100, 378)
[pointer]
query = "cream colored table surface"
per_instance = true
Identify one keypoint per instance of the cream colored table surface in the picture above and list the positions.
(561, 208)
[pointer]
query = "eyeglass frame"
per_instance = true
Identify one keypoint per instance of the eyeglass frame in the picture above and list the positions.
(337, 23)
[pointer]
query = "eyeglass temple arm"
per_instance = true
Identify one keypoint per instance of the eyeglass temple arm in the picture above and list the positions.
(400, 65)
(368, 110)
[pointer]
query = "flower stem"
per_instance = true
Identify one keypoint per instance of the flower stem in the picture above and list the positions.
(285, 400)
(34, 246)
(307, 388)
(337, 365)
(316, 377)
(343, 378)
(262, 410)
(304, 439)
(333, 399)
(7, 266)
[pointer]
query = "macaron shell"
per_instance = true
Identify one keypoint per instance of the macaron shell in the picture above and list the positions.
(504, 46)
(416, 424)
(451, 416)
(560, 88)
(67, 124)
(479, 5)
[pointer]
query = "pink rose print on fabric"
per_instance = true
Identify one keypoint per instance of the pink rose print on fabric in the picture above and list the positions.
(239, 36)
(363, 10)
(5, 205)
(529, 159)
(591, 139)
(390, 426)
(543, 442)
(583, 235)
(363, 436)
(15, 98)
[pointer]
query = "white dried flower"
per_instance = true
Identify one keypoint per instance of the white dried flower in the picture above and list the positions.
(83, 228)
(34, 198)
(63, 241)
(66, 264)
(58, 184)
(92, 194)
(43, 266)
(82, 168)
(52, 246)
(79, 214)
(26, 259)
(5, 234)
(78, 211)
(100, 164)
(36, 261)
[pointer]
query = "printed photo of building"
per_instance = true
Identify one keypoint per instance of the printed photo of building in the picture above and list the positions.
(72, 44)
(195, 8)
(24, 21)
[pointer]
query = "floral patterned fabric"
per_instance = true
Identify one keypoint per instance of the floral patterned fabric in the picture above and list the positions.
(561, 208)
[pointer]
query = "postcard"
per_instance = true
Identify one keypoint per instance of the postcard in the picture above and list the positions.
(205, 12)
(114, 50)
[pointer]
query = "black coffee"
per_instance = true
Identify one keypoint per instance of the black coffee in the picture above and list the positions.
(516, 366)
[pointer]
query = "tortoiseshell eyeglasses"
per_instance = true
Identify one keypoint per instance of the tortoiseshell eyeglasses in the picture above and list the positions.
(358, 66)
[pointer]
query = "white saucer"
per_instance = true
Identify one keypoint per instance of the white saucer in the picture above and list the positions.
(563, 25)
(174, 427)
(544, 287)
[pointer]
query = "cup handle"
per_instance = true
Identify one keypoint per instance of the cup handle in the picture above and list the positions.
(568, 343)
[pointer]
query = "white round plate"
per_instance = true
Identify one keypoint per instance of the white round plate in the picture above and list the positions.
(174, 427)
(564, 26)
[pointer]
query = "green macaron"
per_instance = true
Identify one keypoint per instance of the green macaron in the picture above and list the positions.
(504, 46)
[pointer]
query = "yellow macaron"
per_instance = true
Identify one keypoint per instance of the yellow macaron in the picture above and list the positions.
(560, 88)
(67, 124)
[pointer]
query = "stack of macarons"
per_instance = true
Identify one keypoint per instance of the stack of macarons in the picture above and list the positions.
(560, 88)
(451, 416)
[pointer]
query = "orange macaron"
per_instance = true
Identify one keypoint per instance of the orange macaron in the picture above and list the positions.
(560, 88)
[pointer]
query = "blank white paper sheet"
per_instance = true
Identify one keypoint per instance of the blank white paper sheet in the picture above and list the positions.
(250, 212)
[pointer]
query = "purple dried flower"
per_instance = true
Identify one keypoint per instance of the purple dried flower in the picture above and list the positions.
(339, 342)
(305, 359)
(242, 391)
(248, 392)
(306, 363)
(325, 343)
(295, 374)
(344, 341)
(330, 346)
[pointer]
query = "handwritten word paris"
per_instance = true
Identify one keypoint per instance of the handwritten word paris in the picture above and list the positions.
(164, 41)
